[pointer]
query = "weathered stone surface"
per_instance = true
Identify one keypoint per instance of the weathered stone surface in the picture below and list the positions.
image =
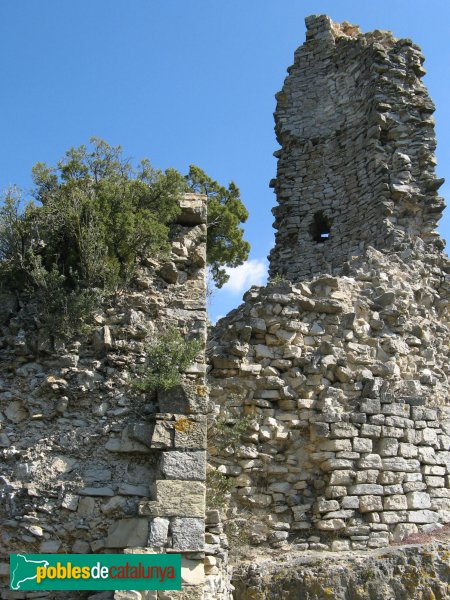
(159, 531)
(376, 574)
(127, 532)
(190, 433)
(185, 399)
(344, 369)
(188, 534)
(176, 498)
(418, 500)
(184, 465)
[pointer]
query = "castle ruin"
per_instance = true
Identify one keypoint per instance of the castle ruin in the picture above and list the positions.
(337, 371)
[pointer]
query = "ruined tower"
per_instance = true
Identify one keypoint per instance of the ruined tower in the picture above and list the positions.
(342, 364)
(356, 164)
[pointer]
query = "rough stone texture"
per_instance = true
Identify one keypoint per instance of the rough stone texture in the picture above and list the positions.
(184, 465)
(407, 573)
(344, 376)
(81, 450)
(218, 570)
(357, 151)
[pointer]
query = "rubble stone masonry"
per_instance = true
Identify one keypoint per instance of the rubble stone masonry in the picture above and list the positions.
(342, 361)
(356, 164)
(337, 371)
(88, 463)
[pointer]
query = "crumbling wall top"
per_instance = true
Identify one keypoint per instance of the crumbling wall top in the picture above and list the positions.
(356, 166)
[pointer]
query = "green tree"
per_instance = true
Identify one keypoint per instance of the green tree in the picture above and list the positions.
(100, 215)
(226, 246)
(95, 216)
(168, 355)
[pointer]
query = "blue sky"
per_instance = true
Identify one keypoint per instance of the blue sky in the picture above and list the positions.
(181, 82)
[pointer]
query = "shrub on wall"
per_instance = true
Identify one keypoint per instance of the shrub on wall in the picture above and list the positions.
(93, 218)
(167, 357)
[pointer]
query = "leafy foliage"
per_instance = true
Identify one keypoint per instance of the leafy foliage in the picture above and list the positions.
(167, 357)
(226, 245)
(218, 489)
(228, 432)
(94, 217)
(102, 215)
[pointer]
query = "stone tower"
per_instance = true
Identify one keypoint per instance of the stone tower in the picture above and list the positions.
(341, 367)
(356, 164)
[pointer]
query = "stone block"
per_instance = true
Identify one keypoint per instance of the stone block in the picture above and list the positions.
(370, 406)
(161, 435)
(370, 431)
(335, 491)
(323, 506)
(86, 506)
(350, 502)
(362, 444)
(192, 572)
(336, 445)
(395, 489)
(427, 437)
(81, 547)
(343, 430)
(331, 525)
(414, 486)
(422, 516)
(188, 534)
(403, 530)
(184, 399)
(127, 532)
(70, 501)
(388, 447)
(392, 431)
(370, 461)
(434, 482)
(420, 413)
(417, 500)
(364, 489)
(190, 432)
(96, 491)
(395, 502)
(370, 504)
(49, 546)
(175, 498)
(184, 465)
(426, 455)
(396, 409)
(399, 464)
(126, 489)
(335, 464)
(159, 531)
(320, 430)
(407, 450)
(344, 477)
(393, 517)
(113, 504)
(126, 444)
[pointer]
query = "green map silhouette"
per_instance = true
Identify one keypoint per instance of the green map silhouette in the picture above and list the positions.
(23, 569)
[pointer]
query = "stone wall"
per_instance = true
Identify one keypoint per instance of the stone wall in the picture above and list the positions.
(88, 463)
(342, 379)
(413, 572)
(218, 571)
(346, 383)
(356, 164)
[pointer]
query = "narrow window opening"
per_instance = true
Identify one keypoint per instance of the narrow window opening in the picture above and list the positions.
(384, 137)
(320, 228)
